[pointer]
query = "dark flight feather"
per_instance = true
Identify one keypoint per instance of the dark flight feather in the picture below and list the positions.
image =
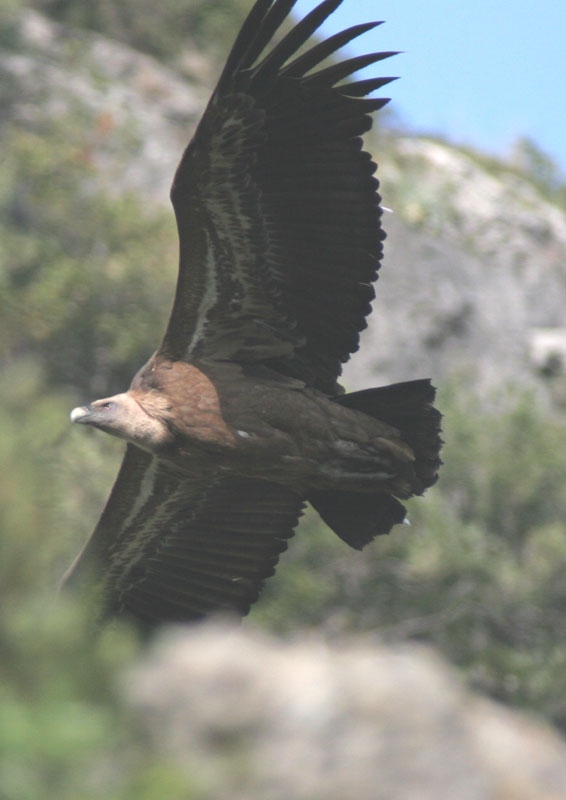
(177, 546)
(271, 129)
(317, 54)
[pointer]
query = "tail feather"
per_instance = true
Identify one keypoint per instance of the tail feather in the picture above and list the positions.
(409, 408)
(359, 518)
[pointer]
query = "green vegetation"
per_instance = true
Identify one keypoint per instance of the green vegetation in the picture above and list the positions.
(479, 573)
(65, 733)
(161, 29)
(76, 260)
(529, 160)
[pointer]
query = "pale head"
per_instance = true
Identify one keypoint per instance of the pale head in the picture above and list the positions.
(123, 416)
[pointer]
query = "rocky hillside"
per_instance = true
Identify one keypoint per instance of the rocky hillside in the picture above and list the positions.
(474, 280)
(142, 111)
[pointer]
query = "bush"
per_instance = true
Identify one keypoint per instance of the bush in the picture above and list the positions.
(77, 265)
(160, 29)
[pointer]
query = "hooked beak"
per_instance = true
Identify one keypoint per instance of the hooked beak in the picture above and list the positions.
(82, 414)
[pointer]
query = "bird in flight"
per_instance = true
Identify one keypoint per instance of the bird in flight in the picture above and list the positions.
(238, 419)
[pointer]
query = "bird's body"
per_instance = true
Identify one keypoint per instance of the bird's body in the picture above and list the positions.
(238, 418)
(244, 420)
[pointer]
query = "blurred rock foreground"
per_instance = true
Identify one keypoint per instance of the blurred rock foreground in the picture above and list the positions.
(254, 717)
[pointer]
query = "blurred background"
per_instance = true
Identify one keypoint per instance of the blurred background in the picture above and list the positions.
(98, 101)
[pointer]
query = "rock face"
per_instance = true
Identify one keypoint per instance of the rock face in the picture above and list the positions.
(138, 114)
(447, 312)
(474, 284)
(251, 717)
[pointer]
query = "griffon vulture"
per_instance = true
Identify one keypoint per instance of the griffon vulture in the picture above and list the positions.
(238, 419)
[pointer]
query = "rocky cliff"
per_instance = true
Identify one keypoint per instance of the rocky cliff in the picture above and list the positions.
(474, 279)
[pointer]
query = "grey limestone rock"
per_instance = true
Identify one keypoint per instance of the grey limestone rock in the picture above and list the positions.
(255, 717)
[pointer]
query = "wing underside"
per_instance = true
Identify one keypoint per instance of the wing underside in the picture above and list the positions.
(277, 206)
(178, 547)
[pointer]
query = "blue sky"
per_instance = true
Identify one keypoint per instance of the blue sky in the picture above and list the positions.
(481, 72)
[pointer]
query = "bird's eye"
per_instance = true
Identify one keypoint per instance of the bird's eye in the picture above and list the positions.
(108, 406)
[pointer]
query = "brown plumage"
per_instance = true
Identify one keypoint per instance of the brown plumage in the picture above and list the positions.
(238, 418)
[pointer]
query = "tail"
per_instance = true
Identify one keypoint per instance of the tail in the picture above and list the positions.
(359, 518)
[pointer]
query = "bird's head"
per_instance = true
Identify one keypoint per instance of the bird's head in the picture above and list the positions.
(113, 415)
(123, 416)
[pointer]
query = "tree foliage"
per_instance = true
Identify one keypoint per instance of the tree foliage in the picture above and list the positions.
(541, 169)
(75, 262)
(161, 29)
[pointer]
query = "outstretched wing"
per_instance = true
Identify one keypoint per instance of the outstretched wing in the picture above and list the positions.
(174, 548)
(277, 205)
